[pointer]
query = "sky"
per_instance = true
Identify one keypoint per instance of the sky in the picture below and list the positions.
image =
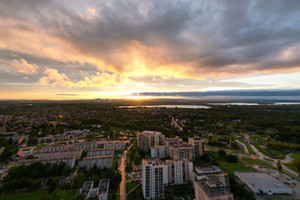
(85, 49)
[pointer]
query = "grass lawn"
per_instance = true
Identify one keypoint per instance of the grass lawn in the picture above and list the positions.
(292, 166)
(268, 159)
(34, 195)
(231, 167)
(261, 149)
(296, 156)
(251, 161)
(131, 185)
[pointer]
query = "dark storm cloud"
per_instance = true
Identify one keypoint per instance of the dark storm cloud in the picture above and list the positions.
(201, 36)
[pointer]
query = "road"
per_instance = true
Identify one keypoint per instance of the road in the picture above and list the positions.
(123, 194)
(123, 182)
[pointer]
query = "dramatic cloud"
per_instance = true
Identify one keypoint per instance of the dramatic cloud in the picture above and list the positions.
(148, 45)
(21, 66)
(100, 79)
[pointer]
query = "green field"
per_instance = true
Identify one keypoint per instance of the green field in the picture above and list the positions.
(36, 195)
(296, 156)
(231, 167)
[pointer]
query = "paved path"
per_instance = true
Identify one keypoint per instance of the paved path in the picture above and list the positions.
(244, 146)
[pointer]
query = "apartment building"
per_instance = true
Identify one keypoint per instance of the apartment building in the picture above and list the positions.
(173, 141)
(158, 173)
(181, 151)
(98, 161)
(70, 161)
(160, 151)
(155, 175)
(179, 171)
(100, 152)
(147, 139)
(56, 154)
(198, 145)
(54, 148)
(211, 188)
(85, 146)
(116, 145)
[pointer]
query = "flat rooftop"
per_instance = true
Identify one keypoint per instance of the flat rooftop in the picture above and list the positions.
(212, 187)
(259, 180)
(103, 186)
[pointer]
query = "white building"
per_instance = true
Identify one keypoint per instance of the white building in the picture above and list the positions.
(155, 175)
(158, 173)
(262, 183)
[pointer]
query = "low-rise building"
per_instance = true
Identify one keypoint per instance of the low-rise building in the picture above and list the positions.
(101, 192)
(70, 161)
(262, 183)
(98, 161)
(201, 173)
(211, 188)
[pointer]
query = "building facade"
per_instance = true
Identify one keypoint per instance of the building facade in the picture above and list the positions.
(56, 154)
(160, 151)
(100, 152)
(158, 173)
(70, 161)
(155, 175)
(100, 162)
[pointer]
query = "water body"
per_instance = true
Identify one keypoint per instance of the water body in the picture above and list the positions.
(169, 106)
(234, 104)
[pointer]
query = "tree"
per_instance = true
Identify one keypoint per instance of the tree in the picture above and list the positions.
(279, 166)
(231, 158)
(222, 152)
(52, 183)
(78, 180)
